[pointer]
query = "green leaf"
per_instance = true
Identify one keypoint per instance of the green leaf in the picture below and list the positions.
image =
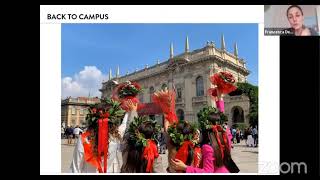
(144, 142)
(111, 111)
(181, 137)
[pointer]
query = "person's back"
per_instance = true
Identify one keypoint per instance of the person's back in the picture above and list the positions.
(254, 131)
(234, 131)
(70, 131)
(77, 131)
(222, 168)
(142, 158)
(250, 140)
(162, 138)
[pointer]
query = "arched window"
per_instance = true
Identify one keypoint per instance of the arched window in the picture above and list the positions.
(164, 86)
(199, 86)
(180, 114)
(151, 91)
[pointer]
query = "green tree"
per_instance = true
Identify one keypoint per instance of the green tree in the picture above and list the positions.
(252, 92)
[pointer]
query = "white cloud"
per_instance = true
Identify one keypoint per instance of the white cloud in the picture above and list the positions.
(88, 80)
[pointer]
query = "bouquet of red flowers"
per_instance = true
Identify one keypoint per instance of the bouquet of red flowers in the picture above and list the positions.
(224, 81)
(166, 100)
(127, 91)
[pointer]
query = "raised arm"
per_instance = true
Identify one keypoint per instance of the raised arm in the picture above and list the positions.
(219, 101)
(128, 117)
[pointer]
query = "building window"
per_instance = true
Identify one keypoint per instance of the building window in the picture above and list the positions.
(179, 93)
(81, 111)
(164, 86)
(199, 86)
(73, 111)
(180, 114)
(151, 91)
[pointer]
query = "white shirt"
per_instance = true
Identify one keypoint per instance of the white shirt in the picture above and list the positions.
(77, 131)
(78, 164)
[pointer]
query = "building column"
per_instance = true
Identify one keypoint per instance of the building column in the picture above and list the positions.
(68, 116)
(170, 81)
(208, 85)
(188, 94)
(77, 117)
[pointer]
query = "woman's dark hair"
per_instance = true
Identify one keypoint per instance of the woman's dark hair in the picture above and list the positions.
(217, 153)
(146, 129)
(113, 130)
(296, 6)
(135, 163)
(214, 118)
(208, 137)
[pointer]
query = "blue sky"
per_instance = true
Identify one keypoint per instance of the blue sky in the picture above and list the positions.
(94, 48)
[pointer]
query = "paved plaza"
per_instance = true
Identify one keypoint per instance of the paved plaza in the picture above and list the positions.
(245, 157)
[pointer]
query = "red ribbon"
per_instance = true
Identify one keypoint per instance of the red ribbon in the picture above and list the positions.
(222, 147)
(88, 153)
(183, 152)
(197, 157)
(150, 152)
(103, 138)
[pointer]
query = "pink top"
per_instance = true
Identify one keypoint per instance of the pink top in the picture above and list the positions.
(208, 161)
(208, 153)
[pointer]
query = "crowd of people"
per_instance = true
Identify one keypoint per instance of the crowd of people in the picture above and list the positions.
(71, 133)
(249, 135)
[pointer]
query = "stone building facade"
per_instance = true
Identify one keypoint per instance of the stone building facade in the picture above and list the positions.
(189, 74)
(74, 110)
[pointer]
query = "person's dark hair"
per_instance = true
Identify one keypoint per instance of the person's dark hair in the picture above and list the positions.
(208, 137)
(147, 129)
(135, 163)
(186, 129)
(214, 118)
(113, 130)
(296, 6)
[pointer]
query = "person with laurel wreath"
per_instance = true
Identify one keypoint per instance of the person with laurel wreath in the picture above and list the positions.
(166, 100)
(99, 148)
(184, 138)
(216, 141)
(143, 156)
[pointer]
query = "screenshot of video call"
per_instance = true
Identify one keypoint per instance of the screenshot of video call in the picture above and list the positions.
(179, 89)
